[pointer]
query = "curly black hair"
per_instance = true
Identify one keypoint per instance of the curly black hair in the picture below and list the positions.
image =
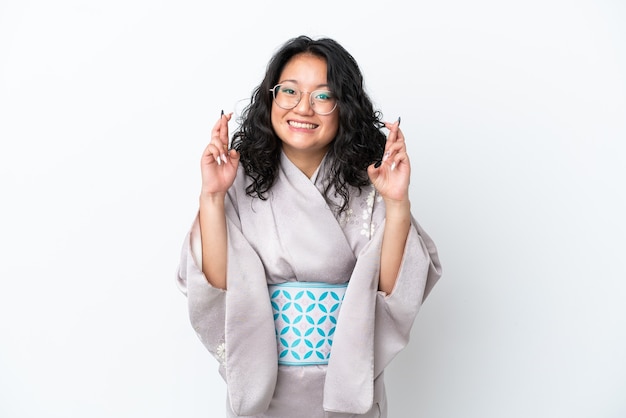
(359, 141)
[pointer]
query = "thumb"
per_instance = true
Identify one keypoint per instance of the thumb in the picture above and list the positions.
(234, 156)
(373, 173)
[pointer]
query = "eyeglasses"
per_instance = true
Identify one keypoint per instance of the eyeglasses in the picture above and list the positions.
(288, 95)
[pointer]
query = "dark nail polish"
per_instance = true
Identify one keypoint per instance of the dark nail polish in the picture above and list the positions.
(222, 113)
(378, 163)
(398, 120)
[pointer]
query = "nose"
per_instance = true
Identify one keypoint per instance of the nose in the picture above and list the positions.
(304, 105)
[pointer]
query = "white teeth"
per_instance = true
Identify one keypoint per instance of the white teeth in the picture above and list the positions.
(302, 125)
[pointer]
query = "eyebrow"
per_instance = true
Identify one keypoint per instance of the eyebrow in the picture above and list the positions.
(296, 82)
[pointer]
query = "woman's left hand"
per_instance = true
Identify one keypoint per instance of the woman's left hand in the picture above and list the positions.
(392, 177)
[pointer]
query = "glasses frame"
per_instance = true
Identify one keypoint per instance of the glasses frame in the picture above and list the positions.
(302, 93)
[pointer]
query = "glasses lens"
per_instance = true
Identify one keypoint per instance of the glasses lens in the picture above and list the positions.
(286, 95)
(323, 102)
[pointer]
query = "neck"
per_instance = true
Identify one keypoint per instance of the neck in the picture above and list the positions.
(306, 161)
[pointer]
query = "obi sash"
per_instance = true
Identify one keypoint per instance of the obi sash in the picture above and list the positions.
(305, 317)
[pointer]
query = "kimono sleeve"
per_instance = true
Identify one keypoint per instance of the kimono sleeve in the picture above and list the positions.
(206, 304)
(374, 327)
(235, 325)
(396, 312)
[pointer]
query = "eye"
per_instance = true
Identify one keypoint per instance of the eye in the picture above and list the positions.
(288, 91)
(322, 96)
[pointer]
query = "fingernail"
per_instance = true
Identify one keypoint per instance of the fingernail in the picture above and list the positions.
(378, 163)
(219, 162)
(387, 154)
(224, 157)
(222, 113)
(398, 120)
(393, 165)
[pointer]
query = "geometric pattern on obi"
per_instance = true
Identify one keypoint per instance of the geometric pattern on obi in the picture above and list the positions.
(305, 317)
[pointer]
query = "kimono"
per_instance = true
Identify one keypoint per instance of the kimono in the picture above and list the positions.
(296, 236)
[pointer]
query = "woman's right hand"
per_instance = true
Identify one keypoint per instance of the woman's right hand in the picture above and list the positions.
(219, 164)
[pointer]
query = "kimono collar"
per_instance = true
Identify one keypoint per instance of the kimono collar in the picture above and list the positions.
(319, 177)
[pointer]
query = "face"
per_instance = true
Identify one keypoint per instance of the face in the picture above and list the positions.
(305, 135)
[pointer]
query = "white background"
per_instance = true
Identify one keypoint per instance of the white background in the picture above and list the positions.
(515, 115)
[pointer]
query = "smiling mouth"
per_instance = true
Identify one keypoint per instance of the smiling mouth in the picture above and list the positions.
(302, 125)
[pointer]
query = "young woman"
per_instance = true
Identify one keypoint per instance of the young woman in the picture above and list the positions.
(305, 268)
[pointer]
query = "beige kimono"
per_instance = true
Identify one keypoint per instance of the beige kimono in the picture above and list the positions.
(294, 235)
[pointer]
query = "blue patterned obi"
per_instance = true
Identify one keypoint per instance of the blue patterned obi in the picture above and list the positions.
(305, 317)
